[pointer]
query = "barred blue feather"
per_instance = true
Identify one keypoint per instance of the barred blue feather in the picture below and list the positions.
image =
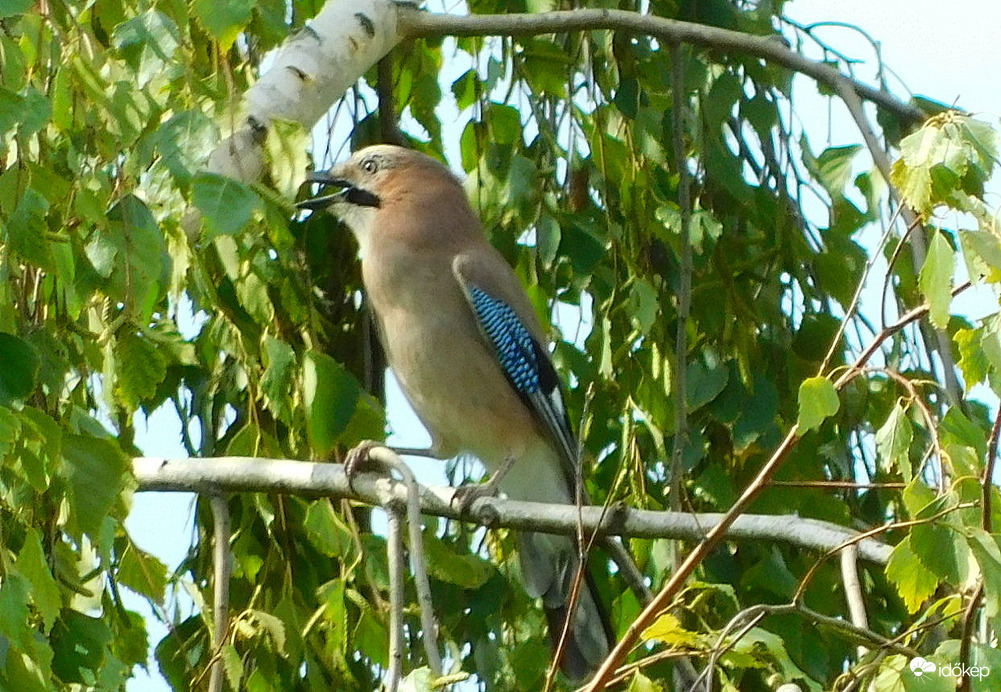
(527, 367)
(514, 345)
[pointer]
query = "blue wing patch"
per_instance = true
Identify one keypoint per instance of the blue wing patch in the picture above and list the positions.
(515, 347)
(528, 369)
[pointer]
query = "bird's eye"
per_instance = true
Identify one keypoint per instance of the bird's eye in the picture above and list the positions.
(369, 166)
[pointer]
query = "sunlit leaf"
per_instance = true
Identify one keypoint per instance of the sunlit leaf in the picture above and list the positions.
(913, 580)
(936, 280)
(893, 441)
(226, 205)
(818, 401)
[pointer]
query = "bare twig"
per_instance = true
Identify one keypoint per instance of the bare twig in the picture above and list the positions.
(222, 569)
(391, 460)
(684, 296)
(853, 590)
(394, 549)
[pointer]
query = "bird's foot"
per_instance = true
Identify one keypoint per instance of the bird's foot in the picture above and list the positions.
(357, 460)
(466, 495)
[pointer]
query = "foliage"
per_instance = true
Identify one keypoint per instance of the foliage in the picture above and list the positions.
(108, 111)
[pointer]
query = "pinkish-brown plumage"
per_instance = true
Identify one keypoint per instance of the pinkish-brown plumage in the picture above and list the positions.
(423, 250)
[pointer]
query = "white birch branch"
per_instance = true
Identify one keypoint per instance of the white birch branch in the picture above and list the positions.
(313, 69)
(317, 64)
(250, 474)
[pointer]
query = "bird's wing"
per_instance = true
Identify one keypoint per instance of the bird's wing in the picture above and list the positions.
(523, 360)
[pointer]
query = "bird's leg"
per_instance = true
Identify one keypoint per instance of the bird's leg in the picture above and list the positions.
(466, 494)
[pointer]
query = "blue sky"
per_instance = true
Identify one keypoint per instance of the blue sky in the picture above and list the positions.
(944, 50)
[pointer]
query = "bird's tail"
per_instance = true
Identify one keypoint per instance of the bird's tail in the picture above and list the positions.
(549, 567)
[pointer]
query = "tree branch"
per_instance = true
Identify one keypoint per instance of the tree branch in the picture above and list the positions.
(414, 23)
(249, 474)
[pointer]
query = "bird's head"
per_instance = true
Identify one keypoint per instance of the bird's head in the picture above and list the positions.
(401, 187)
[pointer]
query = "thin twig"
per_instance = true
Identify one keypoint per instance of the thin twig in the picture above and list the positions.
(391, 460)
(394, 550)
(222, 569)
(684, 295)
(971, 610)
(853, 591)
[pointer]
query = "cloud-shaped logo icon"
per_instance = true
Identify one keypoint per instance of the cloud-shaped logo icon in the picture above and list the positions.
(919, 666)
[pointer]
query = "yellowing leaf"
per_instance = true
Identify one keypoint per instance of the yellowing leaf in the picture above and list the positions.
(818, 401)
(668, 629)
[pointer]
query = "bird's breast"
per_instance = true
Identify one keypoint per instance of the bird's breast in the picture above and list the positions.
(448, 373)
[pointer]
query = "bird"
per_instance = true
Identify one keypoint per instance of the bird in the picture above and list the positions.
(471, 357)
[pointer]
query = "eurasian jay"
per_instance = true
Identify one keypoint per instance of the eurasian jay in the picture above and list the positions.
(469, 353)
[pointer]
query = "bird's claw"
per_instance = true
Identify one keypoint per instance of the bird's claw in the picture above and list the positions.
(465, 495)
(357, 460)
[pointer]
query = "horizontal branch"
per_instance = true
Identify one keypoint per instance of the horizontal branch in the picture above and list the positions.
(416, 23)
(251, 474)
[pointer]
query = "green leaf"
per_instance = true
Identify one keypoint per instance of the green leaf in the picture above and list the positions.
(330, 394)
(915, 583)
(893, 442)
(505, 124)
(141, 369)
(988, 555)
(466, 571)
(266, 622)
(9, 8)
(279, 373)
(641, 683)
(81, 645)
(942, 550)
(936, 280)
(327, 531)
(27, 230)
(19, 368)
(705, 380)
(141, 268)
(143, 573)
(224, 19)
(834, 168)
(548, 238)
(94, 470)
(185, 142)
(465, 89)
(148, 43)
(818, 401)
(982, 253)
(14, 610)
(232, 664)
(644, 305)
(31, 564)
(226, 205)
(668, 629)
(287, 145)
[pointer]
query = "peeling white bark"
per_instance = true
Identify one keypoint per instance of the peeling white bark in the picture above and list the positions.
(310, 72)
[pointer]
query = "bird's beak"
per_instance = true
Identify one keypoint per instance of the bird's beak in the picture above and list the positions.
(349, 193)
(324, 179)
